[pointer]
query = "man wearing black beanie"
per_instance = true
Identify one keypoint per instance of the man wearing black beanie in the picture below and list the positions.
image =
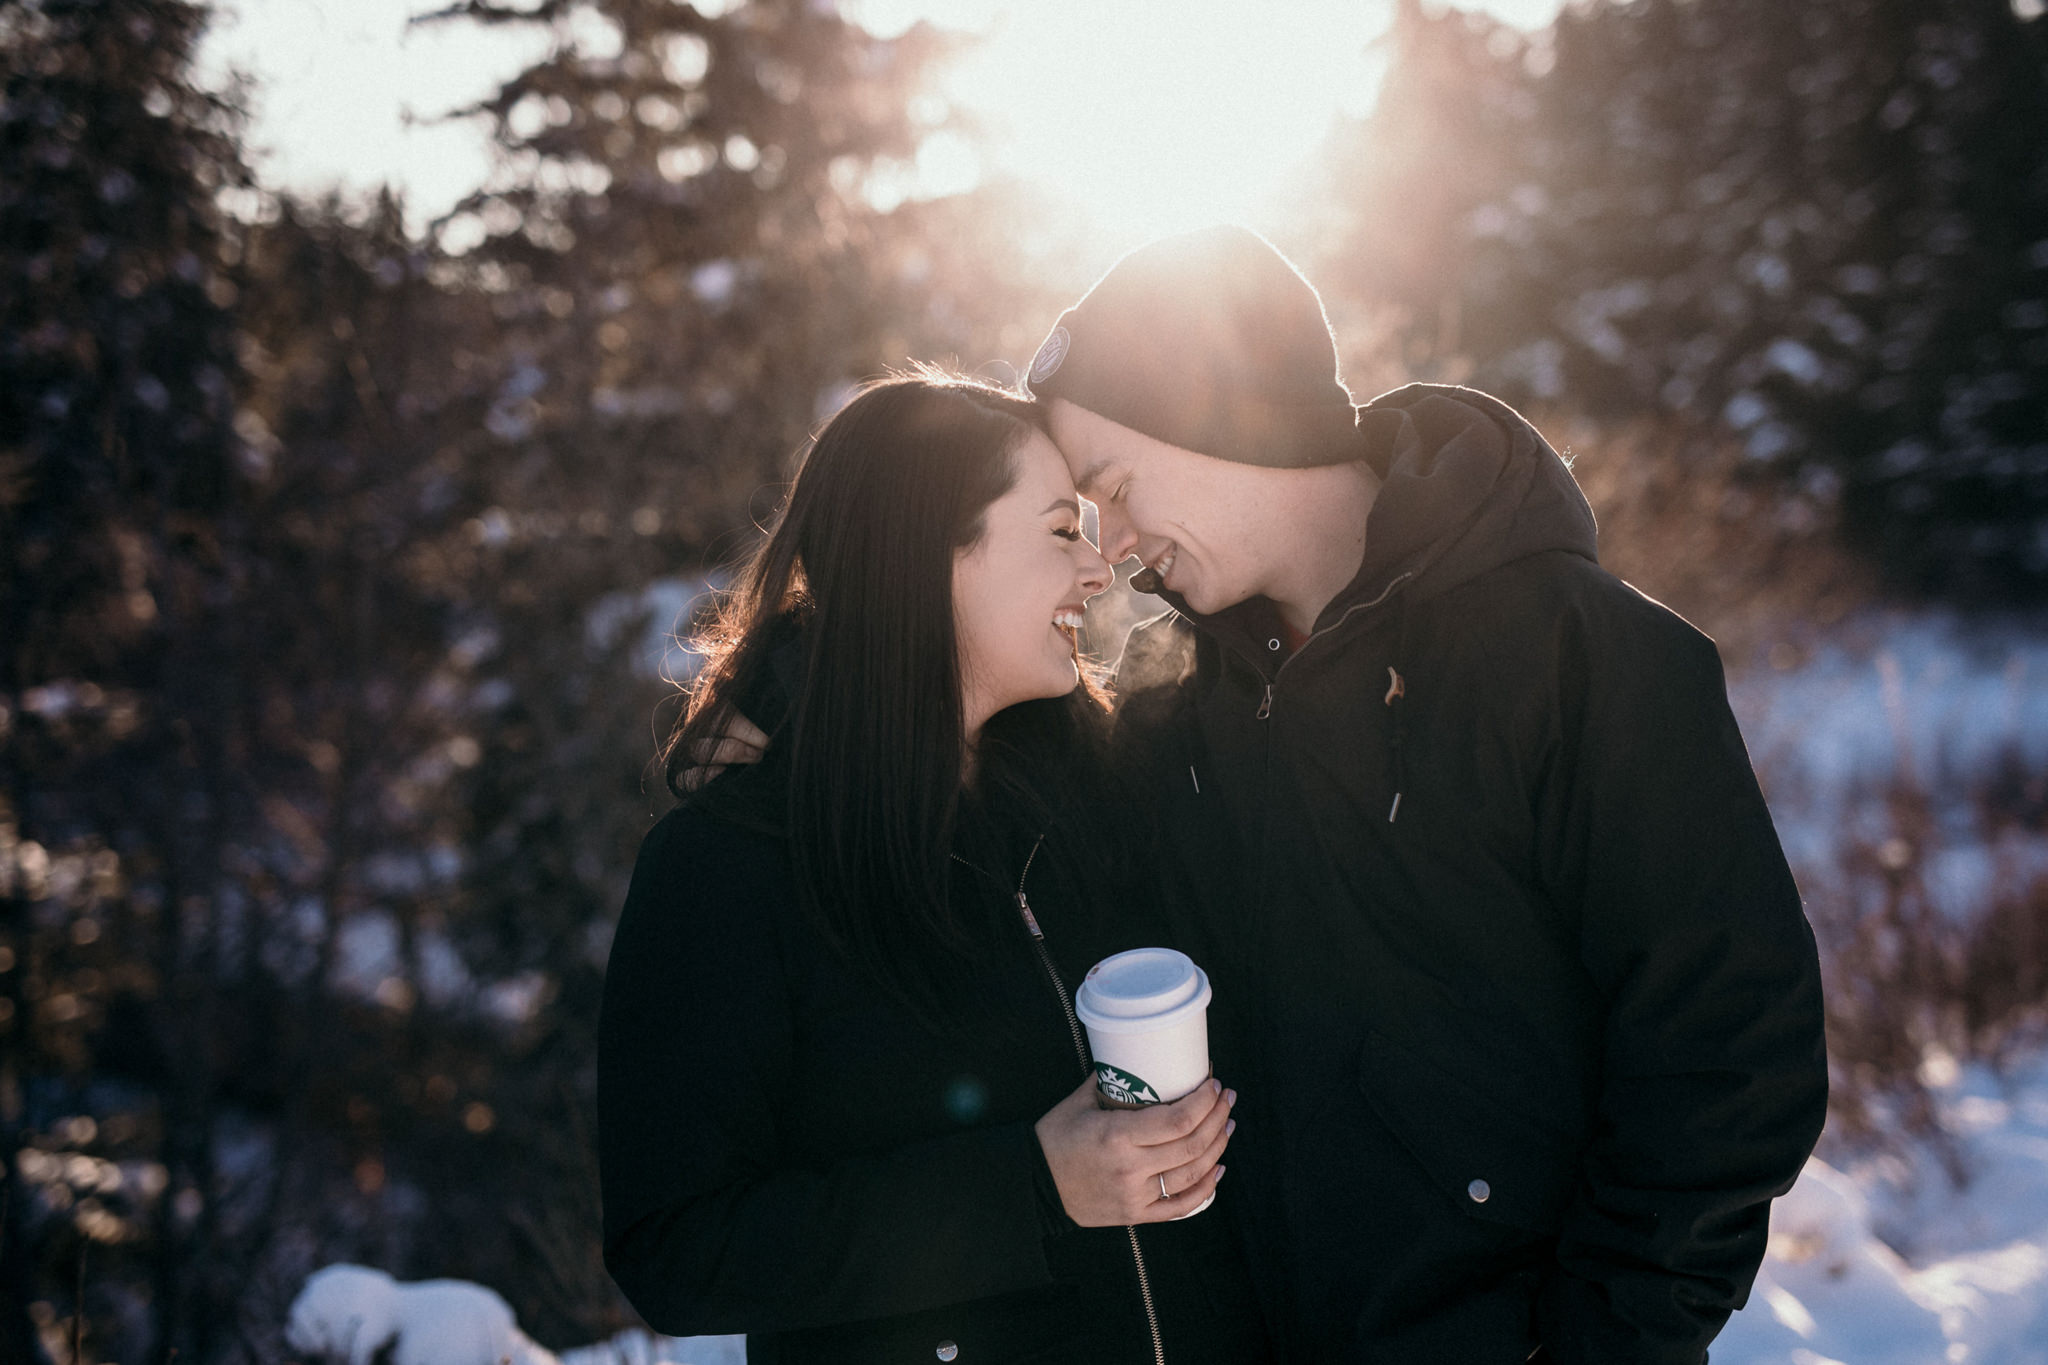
(1502, 936)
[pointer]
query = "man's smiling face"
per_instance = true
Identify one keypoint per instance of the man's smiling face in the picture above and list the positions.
(1189, 517)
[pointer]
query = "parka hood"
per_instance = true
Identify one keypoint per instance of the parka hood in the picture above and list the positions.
(1467, 484)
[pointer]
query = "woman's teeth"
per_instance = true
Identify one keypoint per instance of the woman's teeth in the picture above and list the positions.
(1067, 620)
(1165, 566)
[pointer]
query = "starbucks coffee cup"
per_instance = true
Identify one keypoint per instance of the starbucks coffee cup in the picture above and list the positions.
(1147, 1015)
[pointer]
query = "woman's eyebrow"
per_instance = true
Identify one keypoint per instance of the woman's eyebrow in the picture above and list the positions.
(1063, 504)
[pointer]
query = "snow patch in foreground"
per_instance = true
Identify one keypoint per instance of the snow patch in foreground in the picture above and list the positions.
(351, 1312)
(1829, 1290)
(1885, 1262)
(1832, 1291)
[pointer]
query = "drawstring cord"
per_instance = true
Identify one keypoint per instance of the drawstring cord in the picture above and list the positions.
(1397, 694)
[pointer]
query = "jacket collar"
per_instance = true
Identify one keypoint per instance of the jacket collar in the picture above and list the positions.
(1467, 484)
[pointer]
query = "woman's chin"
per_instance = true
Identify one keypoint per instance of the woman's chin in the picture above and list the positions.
(1056, 683)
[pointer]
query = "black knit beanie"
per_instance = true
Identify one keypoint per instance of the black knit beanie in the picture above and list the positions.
(1211, 341)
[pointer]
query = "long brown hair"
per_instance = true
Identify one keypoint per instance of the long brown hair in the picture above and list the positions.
(856, 578)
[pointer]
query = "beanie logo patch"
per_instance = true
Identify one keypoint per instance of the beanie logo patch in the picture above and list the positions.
(1050, 356)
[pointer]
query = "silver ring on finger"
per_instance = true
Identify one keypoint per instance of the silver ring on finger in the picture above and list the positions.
(1162, 1186)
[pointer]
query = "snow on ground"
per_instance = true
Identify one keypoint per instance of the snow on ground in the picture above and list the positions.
(1884, 1261)
(644, 1348)
(350, 1313)
(1890, 1262)
(1930, 693)
(1930, 698)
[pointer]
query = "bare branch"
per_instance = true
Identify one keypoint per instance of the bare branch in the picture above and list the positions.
(484, 12)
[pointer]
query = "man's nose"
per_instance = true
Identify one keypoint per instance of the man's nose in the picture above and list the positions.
(1119, 538)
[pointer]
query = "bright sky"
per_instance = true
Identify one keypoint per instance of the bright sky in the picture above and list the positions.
(1151, 114)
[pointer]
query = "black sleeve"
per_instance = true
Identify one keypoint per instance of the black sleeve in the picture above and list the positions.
(705, 1229)
(1714, 1080)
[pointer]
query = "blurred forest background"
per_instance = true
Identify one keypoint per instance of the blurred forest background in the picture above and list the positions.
(337, 559)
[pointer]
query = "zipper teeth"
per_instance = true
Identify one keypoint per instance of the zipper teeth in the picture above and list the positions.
(1145, 1293)
(1081, 1050)
(1059, 989)
(1266, 706)
(1029, 859)
(1052, 974)
(1349, 612)
(1067, 1005)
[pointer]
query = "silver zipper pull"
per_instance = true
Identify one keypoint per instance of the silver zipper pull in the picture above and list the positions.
(1030, 920)
(1265, 704)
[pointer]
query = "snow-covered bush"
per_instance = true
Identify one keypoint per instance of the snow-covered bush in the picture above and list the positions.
(1935, 1253)
(351, 1313)
(361, 1316)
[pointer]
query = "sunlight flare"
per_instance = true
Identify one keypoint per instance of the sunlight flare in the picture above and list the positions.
(1151, 116)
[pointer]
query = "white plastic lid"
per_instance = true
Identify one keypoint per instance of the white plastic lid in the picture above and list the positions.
(1141, 990)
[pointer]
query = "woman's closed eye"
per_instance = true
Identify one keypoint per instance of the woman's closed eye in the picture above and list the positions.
(1067, 532)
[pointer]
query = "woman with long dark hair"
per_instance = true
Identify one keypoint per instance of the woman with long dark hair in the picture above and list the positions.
(844, 1106)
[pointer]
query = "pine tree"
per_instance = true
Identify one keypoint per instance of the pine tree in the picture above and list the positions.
(1951, 424)
(119, 733)
(1805, 222)
(1398, 189)
(328, 562)
(1814, 226)
(686, 255)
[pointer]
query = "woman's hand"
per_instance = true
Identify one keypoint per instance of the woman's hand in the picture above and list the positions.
(743, 742)
(1109, 1164)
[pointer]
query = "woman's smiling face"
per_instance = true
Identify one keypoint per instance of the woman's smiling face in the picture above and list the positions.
(1020, 588)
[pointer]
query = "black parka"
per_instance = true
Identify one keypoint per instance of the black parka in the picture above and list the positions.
(1538, 1029)
(787, 1151)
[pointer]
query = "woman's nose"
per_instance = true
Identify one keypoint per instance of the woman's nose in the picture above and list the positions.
(1095, 574)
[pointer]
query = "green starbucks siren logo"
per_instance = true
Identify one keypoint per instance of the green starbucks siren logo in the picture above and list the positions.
(1121, 1087)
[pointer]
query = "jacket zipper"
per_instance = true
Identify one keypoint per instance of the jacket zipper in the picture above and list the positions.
(1059, 990)
(1266, 701)
(1052, 975)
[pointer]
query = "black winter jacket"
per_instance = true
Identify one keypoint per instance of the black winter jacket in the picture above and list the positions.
(785, 1151)
(1538, 1028)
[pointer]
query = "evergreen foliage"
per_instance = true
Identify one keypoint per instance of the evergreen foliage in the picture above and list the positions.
(1823, 227)
(332, 563)
(335, 563)
(126, 749)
